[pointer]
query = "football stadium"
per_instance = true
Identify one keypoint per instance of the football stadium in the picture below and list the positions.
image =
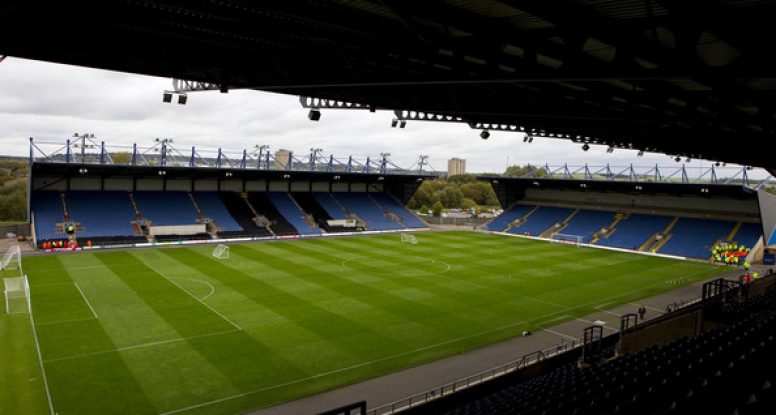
(178, 279)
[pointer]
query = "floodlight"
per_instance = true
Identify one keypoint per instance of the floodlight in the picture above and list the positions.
(485, 134)
(167, 97)
(314, 114)
(182, 99)
(585, 147)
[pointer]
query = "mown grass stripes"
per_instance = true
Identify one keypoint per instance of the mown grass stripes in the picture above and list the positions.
(182, 332)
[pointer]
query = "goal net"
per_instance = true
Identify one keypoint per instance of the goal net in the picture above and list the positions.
(409, 239)
(567, 239)
(17, 295)
(221, 251)
(12, 259)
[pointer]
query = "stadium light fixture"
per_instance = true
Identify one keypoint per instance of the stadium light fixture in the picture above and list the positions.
(167, 97)
(182, 98)
(677, 159)
(485, 134)
(640, 153)
(83, 170)
(610, 149)
(688, 160)
(585, 147)
(228, 174)
(286, 176)
(402, 124)
(314, 114)
(162, 173)
(639, 188)
(394, 123)
(717, 164)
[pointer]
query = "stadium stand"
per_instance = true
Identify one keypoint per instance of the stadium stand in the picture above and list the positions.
(632, 231)
(264, 206)
(500, 222)
(166, 208)
(725, 369)
(327, 202)
(541, 220)
(365, 208)
(293, 213)
(310, 204)
(694, 238)
(211, 205)
(105, 217)
(47, 210)
(238, 208)
(748, 234)
(391, 205)
(587, 222)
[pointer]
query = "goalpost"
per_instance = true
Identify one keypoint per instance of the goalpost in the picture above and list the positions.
(567, 239)
(17, 295)
(12, 259)
(409, 239)
(221, 251)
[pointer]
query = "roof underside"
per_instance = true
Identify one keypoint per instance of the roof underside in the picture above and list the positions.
(691, 77)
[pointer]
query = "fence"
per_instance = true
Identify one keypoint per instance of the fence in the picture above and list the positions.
(22, 229)
(476, 379)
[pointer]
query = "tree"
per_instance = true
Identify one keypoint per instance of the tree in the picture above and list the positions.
(516, 170)
(437, 209)
(467, 203)
(122, 157)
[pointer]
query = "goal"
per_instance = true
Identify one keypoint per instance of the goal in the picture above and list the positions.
(12, 259)
(221, 251)
(567, 239)
(409, 239)
(17, 295)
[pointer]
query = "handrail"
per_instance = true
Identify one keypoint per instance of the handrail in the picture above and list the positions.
(476, 379)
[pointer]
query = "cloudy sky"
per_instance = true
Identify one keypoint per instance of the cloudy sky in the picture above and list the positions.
(51, 102)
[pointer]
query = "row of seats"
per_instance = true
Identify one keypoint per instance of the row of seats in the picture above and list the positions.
(727, 370)
(111, 213)
(689, 237)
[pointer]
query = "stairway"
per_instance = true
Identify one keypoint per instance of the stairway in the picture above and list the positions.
(243, 214)
(517, 222)
(612, 227)
(279, 225)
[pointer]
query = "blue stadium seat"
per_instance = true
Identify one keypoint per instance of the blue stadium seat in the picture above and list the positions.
(748, 234)
(292, 213)
(362, 206)
(166, 208)
(541, 220)
(391, 205)
(500, 222)
(211, 205)
(634, 230)
(47, 210)
(329, 205)
(101, 214)
(694, 238)
(586, 222)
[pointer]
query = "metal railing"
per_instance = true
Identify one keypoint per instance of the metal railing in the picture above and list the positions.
(476, 379)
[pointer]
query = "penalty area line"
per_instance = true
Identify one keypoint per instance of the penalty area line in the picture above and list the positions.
(86, 299)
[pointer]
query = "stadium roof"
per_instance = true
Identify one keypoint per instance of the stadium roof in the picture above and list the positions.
(682, 77)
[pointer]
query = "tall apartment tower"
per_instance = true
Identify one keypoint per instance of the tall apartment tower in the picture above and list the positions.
(456, 166)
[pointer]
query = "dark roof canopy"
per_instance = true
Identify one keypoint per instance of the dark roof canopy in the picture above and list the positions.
(692, 77)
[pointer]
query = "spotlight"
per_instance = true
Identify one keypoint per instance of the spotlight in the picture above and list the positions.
(640, 153)
(314, 114)
(394, 123)
(717, 164)
(224, 89)
(167, 97)
(402, 124)
(530, 139)
(182, 99)
(485, 134)
(585, 147)
(610, 150)
(677, 159)
(688, 160)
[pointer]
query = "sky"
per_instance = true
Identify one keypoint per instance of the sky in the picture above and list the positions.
(50, 102)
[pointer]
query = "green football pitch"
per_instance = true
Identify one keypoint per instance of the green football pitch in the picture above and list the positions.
(177, 331)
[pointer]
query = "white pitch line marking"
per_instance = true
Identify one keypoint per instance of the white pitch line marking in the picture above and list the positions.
(86, 299)
(606, 326)
(648, 307)
(40, 356)
(140, 346)
(201, 302)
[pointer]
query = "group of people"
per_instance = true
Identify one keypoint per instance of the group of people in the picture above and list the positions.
(63, 244)
(730, 253)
